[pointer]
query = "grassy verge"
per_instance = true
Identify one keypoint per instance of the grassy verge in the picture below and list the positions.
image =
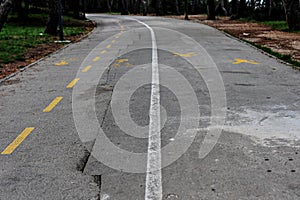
(15, 40)
(113, 13)
(17, 37)
(276, 25)
(285, 58)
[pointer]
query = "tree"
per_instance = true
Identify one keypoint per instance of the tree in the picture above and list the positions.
(233, 9)
(5, 7)
(186, 12)
(159, 8)
(145, 7)
(22, 12)
(52, 24)
(75, 5)
(110, 4)
(292, 12)
(177, 10)
(242, 9)
(268, 9)
(211, 14)
(221, 7)
(123, 7)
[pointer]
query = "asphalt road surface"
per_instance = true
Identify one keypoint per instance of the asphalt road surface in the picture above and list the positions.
(151, 108)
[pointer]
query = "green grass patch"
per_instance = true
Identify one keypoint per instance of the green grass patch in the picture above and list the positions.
(276, 25)
(15, 40)
(72, 31)
(285, 58)
(17, 37)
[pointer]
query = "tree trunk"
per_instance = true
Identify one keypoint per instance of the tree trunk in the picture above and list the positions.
(76, 4)
(130, 6)
(233, 9)
(159, 8)
(267, 9)
(186, 10)
(137, 7)
(292, 12)
(192, 11)
(109, 5)
(53, 18)
(26, 9)
(211, 15)
(123, 7)
(5, 7)
(177, 11)
(242, 9)
(223, 4)
(19, 9)
(145, 7)
(220, 9)
(252, 4)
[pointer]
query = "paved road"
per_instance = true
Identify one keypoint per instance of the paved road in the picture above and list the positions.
(151, 108)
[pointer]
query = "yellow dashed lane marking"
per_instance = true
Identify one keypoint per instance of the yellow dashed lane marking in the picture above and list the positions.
(108, 46)
(128, 65)
(103, 52)
(61, 63)
(87, 68)
(10, 148)
(237, 61)
(96, 58)
(186, 55)
(113, 41)
(122, 60)
(72, 84)
(52, 104)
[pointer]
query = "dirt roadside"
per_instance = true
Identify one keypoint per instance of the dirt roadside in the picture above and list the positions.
(278, 41)
(34, 54)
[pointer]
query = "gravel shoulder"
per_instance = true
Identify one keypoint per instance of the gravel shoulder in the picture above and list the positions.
(278, 41)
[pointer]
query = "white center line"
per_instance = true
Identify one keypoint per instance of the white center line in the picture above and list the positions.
(153, 190)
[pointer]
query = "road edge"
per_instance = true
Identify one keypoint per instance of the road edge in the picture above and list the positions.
(2, 81)
(242, 41)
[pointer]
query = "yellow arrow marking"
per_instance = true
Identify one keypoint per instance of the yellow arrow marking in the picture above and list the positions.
(10, 148)
(73, 83)
(52, 104)
(237, 61)
(122, 60)
(128, 64)
(186, 55)
(87, 68)
(96, 59)
(61, 63)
